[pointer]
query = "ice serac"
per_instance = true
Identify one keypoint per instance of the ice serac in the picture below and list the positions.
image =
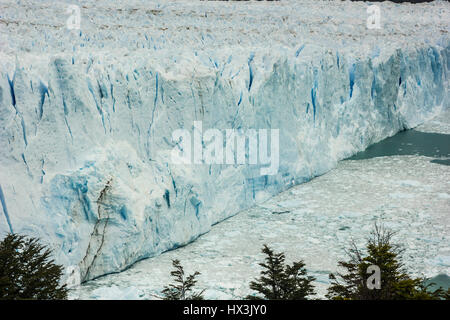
(86, 136)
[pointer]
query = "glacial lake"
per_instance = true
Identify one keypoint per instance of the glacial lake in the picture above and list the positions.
(410, 142)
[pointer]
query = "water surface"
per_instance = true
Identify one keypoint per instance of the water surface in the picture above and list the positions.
(410, 142)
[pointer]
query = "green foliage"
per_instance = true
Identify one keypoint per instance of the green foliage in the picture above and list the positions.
(445, 295)
(396, 284)
(282, 282)
(27, 272)
(182, 289)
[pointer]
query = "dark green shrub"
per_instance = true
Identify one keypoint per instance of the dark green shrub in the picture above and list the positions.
(27, 271)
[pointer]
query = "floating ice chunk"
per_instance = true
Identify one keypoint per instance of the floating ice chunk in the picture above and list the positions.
(402, 195)
(409, 183)
(116, 293)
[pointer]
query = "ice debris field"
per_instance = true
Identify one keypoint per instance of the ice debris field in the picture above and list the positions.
(87, 116)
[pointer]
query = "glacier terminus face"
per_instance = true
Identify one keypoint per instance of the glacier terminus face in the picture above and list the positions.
(117, 136)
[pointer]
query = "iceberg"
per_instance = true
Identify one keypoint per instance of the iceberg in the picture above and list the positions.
(87, 116)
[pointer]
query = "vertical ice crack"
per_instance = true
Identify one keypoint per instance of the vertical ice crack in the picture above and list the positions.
(250, 81)
(156, 100)
(11, 88)
(300, 50)
(43, 90)
(98, 106)
(5, 209)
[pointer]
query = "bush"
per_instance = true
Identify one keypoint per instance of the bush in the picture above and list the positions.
(182, 289)
(396, 284)
(282, 282)
(27, 272)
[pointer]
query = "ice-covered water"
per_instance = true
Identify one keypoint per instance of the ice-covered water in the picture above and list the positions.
(314, 221)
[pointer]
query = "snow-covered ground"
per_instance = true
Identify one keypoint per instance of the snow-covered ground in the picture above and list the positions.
(116, 28)
(314, 221)
(87, 115)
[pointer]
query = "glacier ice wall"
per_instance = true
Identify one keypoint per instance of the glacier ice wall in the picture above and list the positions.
(86, 137)
(85, 149)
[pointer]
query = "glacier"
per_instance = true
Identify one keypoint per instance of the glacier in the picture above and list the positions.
(87, 116)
